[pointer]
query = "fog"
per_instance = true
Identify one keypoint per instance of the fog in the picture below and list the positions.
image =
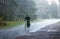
(47, 9)
(42, 9)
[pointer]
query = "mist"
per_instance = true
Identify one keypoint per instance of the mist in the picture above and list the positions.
(48, 10)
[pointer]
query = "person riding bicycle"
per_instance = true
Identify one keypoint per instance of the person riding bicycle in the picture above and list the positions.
(27, 18)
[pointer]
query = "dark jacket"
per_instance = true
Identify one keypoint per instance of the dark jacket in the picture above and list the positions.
(27, 18)
(28, 24)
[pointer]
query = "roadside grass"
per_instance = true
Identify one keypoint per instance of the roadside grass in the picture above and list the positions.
(12, 24)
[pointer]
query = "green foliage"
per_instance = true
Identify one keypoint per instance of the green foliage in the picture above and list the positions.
(15, 9)
(8, 24)
(1, 22)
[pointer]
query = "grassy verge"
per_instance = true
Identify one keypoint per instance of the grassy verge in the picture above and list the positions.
(11, 24)
(15, 23)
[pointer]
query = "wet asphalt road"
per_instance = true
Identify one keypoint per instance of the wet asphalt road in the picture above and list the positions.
(14, 32)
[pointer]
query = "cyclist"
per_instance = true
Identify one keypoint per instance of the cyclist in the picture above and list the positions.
(27, 18)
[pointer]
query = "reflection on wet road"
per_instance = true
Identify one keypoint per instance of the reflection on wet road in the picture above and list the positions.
(20, 30)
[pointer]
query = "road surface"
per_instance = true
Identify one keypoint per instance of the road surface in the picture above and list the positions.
(12, 33)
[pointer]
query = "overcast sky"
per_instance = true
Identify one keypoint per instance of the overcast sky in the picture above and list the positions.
(49, 1)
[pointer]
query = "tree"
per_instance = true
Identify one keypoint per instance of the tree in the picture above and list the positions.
(53, 10)
(8, 8)
(43, 9)
(13, 9)
(26, 7)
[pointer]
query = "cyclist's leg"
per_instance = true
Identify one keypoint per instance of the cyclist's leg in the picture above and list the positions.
(26, 28)
(29, 26)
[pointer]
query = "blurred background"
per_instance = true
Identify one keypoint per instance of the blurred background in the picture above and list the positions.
(13, 12)
(44, 14)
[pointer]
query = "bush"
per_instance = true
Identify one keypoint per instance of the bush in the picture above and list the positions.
(2, 23)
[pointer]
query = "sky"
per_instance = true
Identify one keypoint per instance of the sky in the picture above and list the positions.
(50, 1)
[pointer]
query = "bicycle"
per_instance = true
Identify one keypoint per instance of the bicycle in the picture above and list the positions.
(27, 27)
